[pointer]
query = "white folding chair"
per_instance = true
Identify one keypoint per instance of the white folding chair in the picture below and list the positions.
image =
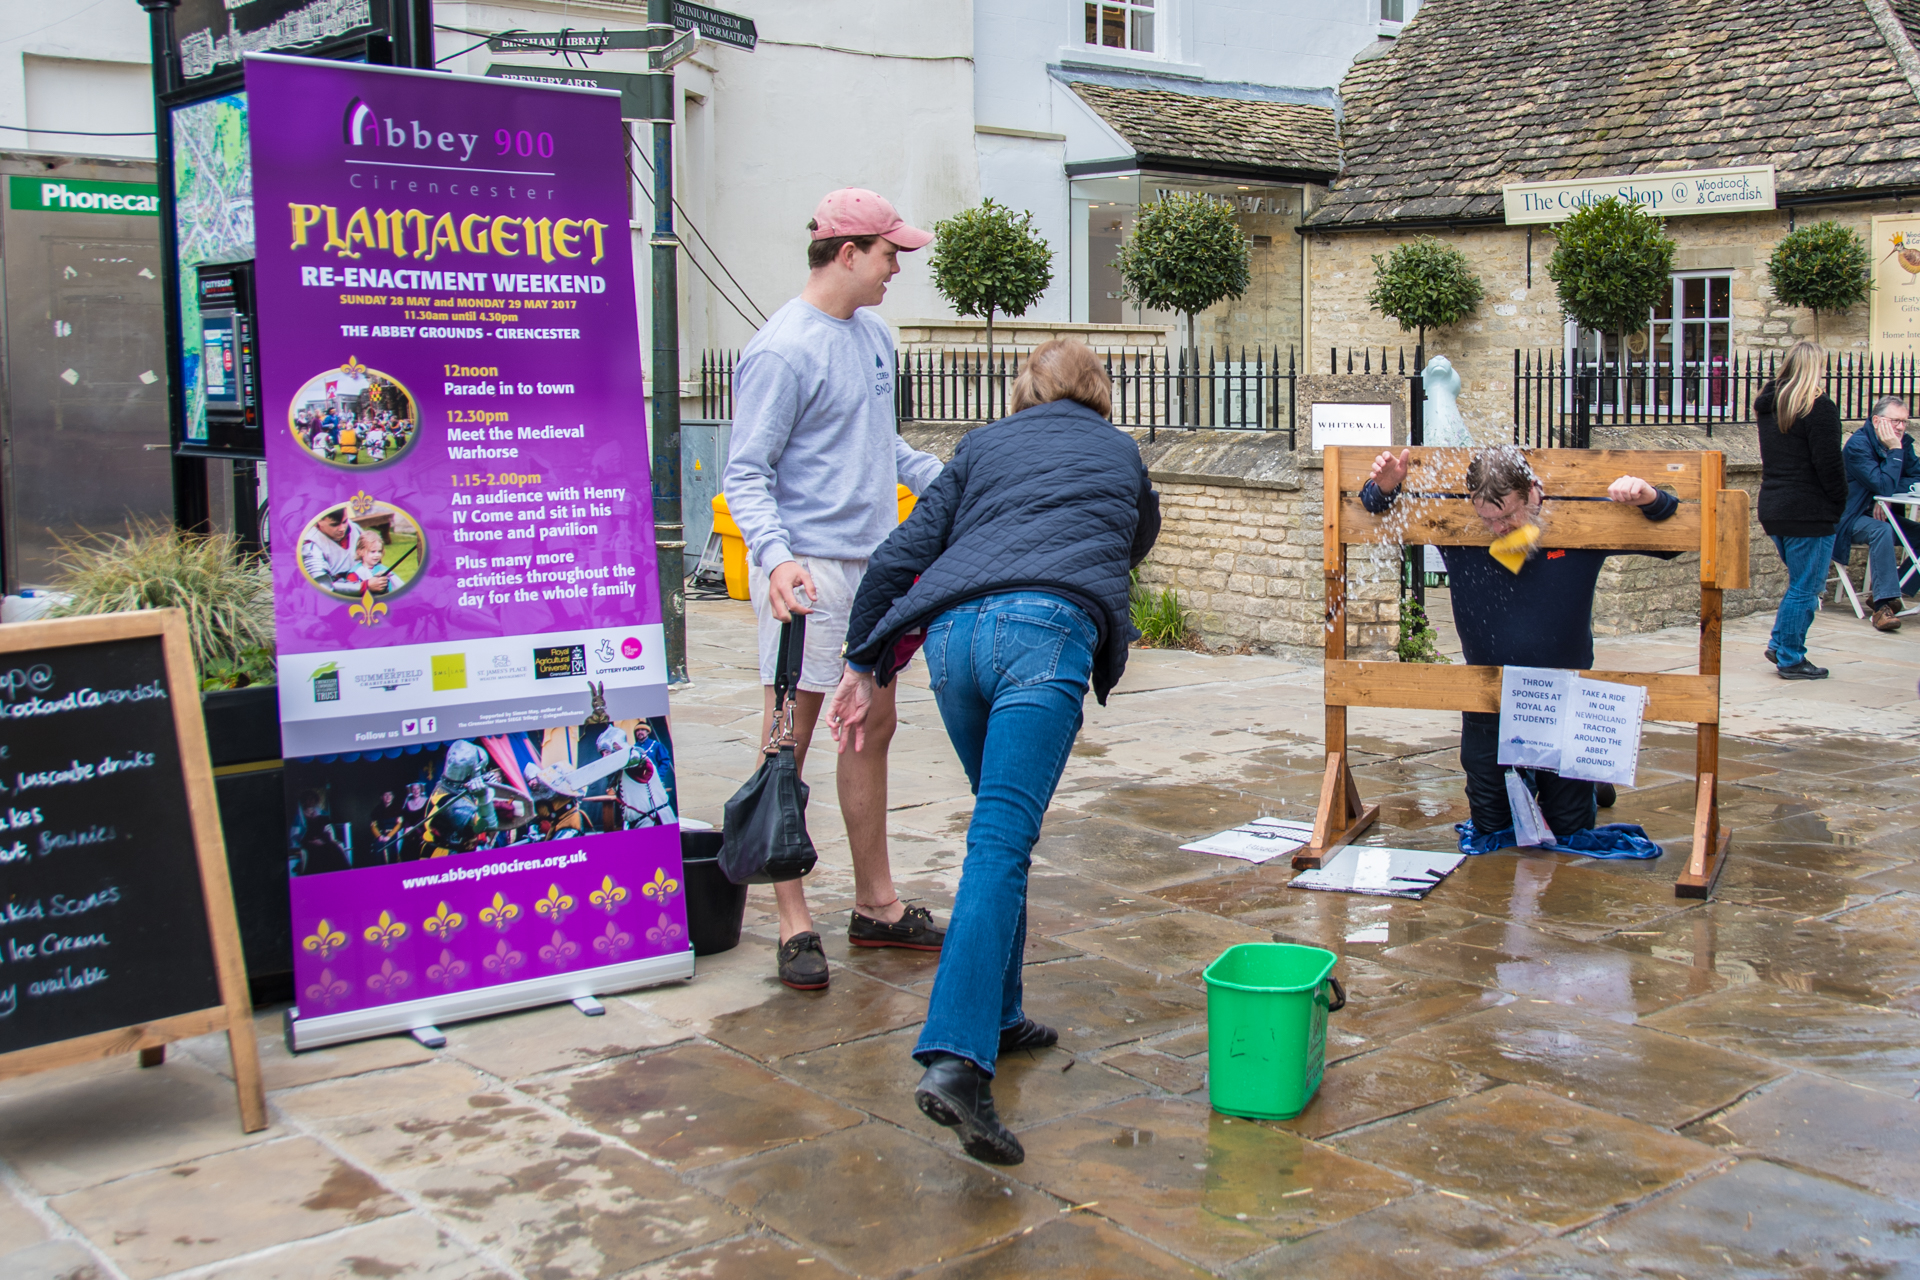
(1843, 582)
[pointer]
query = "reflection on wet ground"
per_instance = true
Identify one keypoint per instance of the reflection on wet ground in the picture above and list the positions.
(1551, 1067)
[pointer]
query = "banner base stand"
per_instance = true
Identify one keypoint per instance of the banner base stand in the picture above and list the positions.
(589, 1005)
(430, 1037)
(428, 1014)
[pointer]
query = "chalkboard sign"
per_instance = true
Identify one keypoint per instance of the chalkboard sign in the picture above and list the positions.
(116, 915)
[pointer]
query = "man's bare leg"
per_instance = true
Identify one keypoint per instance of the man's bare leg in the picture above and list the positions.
(789, 896)
(861, 783)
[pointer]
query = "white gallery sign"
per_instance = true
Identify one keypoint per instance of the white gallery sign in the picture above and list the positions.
(1664, 195)
(1352, 424)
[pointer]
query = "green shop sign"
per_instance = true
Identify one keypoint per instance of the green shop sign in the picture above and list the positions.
(67, 195)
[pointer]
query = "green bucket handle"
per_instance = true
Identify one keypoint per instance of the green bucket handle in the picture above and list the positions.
(1339, 1000)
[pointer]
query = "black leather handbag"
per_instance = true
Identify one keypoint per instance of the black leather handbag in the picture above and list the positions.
(765, 831)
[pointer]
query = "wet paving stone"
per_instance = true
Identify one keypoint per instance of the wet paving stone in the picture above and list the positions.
(1190, 810)
(1385, 1003)
(1850, 861)
(1857, 1134)
(1630, 1071)
(1127, 856)
(1550, 893)
(1803, 892)
(1354, 925)
(877, 1202)
(1079, 1247)
(1175, 1075)
(1878, 1048)
(754, 1258)
(1420, 819)
(1539, 966)
(694, 1106)
(1029, 1087)
(1756, 1221)
(1182, 942)
(1202, 1185)
(1095, 1003)
(406, 1245)
(796, 1021)
(1058, 902)
(1533, 1156)
(1429, 1235)
(1759, 944)
(1360, 1090)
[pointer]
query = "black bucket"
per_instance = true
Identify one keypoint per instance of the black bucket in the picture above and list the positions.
(715, 904)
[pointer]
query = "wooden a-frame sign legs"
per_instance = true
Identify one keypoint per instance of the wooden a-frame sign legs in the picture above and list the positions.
(1713, 520)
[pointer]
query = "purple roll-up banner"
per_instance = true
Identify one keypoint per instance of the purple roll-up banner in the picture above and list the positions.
(481, 798)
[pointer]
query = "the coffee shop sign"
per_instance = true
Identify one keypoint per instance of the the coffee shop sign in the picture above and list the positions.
(1665, 195)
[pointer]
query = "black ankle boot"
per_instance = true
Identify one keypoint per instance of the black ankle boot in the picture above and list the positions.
(957, 1094)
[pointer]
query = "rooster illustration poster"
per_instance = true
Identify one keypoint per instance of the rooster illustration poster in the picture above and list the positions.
(1895, 247)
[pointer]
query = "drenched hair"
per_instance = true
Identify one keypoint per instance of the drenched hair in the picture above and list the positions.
(1064, 370)
(821, 253)
(1494, 473)
(1803, 379)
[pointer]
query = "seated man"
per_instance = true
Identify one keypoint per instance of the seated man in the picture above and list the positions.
(1538, 615)
(1880, 461)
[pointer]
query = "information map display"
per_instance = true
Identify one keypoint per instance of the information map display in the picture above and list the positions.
(471, 657)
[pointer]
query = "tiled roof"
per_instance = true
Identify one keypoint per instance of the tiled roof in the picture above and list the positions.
(1190, 129)
(1478, 93)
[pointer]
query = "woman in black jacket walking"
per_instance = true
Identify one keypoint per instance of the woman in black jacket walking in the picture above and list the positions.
(1016, 561)
(1803, 490)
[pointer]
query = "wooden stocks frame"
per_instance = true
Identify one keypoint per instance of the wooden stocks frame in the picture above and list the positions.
(1712, 520)
(234, 1013)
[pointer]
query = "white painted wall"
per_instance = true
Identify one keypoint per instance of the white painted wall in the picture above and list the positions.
(75, 65)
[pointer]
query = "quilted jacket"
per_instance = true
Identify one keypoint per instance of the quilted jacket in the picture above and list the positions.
(1053, 498)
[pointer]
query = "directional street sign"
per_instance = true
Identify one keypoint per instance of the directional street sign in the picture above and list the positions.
(716, 24)
(636, 95)
(568, 41)
(670, 55)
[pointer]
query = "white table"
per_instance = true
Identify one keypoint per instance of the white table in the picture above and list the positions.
(1911, 501)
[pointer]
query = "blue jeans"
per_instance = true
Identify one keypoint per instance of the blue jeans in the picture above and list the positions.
(1009, 674)
(1882, 552)
(1806, 560)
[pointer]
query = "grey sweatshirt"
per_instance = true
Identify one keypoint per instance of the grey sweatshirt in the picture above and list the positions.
(815, 455)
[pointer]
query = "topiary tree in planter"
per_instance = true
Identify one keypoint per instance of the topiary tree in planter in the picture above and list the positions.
(988, 260)
(1186, 254)
(1613, 263)
(1823, 267)
(1424, 284)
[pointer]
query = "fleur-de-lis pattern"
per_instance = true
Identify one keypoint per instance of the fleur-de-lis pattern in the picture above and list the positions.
(611, 943)
(443, 924)
(560, 950)
(324, 941)
(661, 887)
(327, 990)
(500, 914)
(608, 896)
(389, 981)
(386, 931)
(666, 933)
(555, 905)
(447, 970)
(369, 611)
(503, 961)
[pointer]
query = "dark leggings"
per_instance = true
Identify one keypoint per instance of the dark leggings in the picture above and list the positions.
(1566, 803)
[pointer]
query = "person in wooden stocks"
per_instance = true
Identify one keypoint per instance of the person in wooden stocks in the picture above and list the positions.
(1522, 602)
(1016, 562)
(812, 480)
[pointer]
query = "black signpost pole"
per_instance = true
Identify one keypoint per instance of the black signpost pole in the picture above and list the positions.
(669, 531)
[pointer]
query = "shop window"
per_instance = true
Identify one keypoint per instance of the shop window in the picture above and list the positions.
(1680, 362)
(1393, 10)
(1121, 24)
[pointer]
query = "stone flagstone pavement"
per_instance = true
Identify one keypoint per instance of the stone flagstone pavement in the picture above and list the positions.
(1551, 1067)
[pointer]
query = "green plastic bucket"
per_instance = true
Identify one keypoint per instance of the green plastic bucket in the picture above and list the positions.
(1267, 1007)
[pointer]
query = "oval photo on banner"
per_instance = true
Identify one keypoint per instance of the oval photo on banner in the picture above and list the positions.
(354, 417)
(361, 545)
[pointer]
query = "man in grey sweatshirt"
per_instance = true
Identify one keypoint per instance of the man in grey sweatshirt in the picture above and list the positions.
(811, 481)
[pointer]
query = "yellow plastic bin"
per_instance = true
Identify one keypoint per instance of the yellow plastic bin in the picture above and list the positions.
(733, 548)
(904, 498)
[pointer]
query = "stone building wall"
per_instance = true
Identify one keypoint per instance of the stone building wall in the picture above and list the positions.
(1516, 314)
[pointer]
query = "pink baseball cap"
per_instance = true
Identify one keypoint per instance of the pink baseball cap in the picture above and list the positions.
(854, 211)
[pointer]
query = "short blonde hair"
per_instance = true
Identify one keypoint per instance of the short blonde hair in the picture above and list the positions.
(1064, 370)
(371, 535)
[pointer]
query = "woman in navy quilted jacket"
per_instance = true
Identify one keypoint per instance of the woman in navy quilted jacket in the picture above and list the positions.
(1016, 563)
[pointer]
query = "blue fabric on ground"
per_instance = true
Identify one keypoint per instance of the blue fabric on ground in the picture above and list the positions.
(1614, 840)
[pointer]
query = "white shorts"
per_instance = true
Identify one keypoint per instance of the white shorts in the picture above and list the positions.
(837, 581)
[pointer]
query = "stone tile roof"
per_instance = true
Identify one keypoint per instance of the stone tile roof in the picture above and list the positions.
(1191, 129)
(1478, 93)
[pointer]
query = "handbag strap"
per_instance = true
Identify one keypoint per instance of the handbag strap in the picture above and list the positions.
(786, 680)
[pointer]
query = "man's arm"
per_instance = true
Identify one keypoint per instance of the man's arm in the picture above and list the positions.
(1383, 485)
(916, 470)
(898, 564)
(1654, 504)
(1877, 475)
(766, 406)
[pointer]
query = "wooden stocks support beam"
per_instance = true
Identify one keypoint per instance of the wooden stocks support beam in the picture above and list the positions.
(1712, 520)
(1342, 816)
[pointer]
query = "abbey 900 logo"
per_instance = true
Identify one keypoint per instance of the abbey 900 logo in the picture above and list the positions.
(362, 126)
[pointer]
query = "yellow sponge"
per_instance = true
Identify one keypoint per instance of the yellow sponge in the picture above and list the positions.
(1510, 549)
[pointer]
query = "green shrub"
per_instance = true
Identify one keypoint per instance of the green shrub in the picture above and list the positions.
(1614, 263)
(227, 596)
(1418, 642)
(1823, 267)
(1424, 284)
(989, 260)
(1162, 621)
(1186, 253)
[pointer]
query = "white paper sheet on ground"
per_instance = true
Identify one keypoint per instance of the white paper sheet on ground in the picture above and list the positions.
(1604, 721)
(1261, 840)
(1410, 873)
